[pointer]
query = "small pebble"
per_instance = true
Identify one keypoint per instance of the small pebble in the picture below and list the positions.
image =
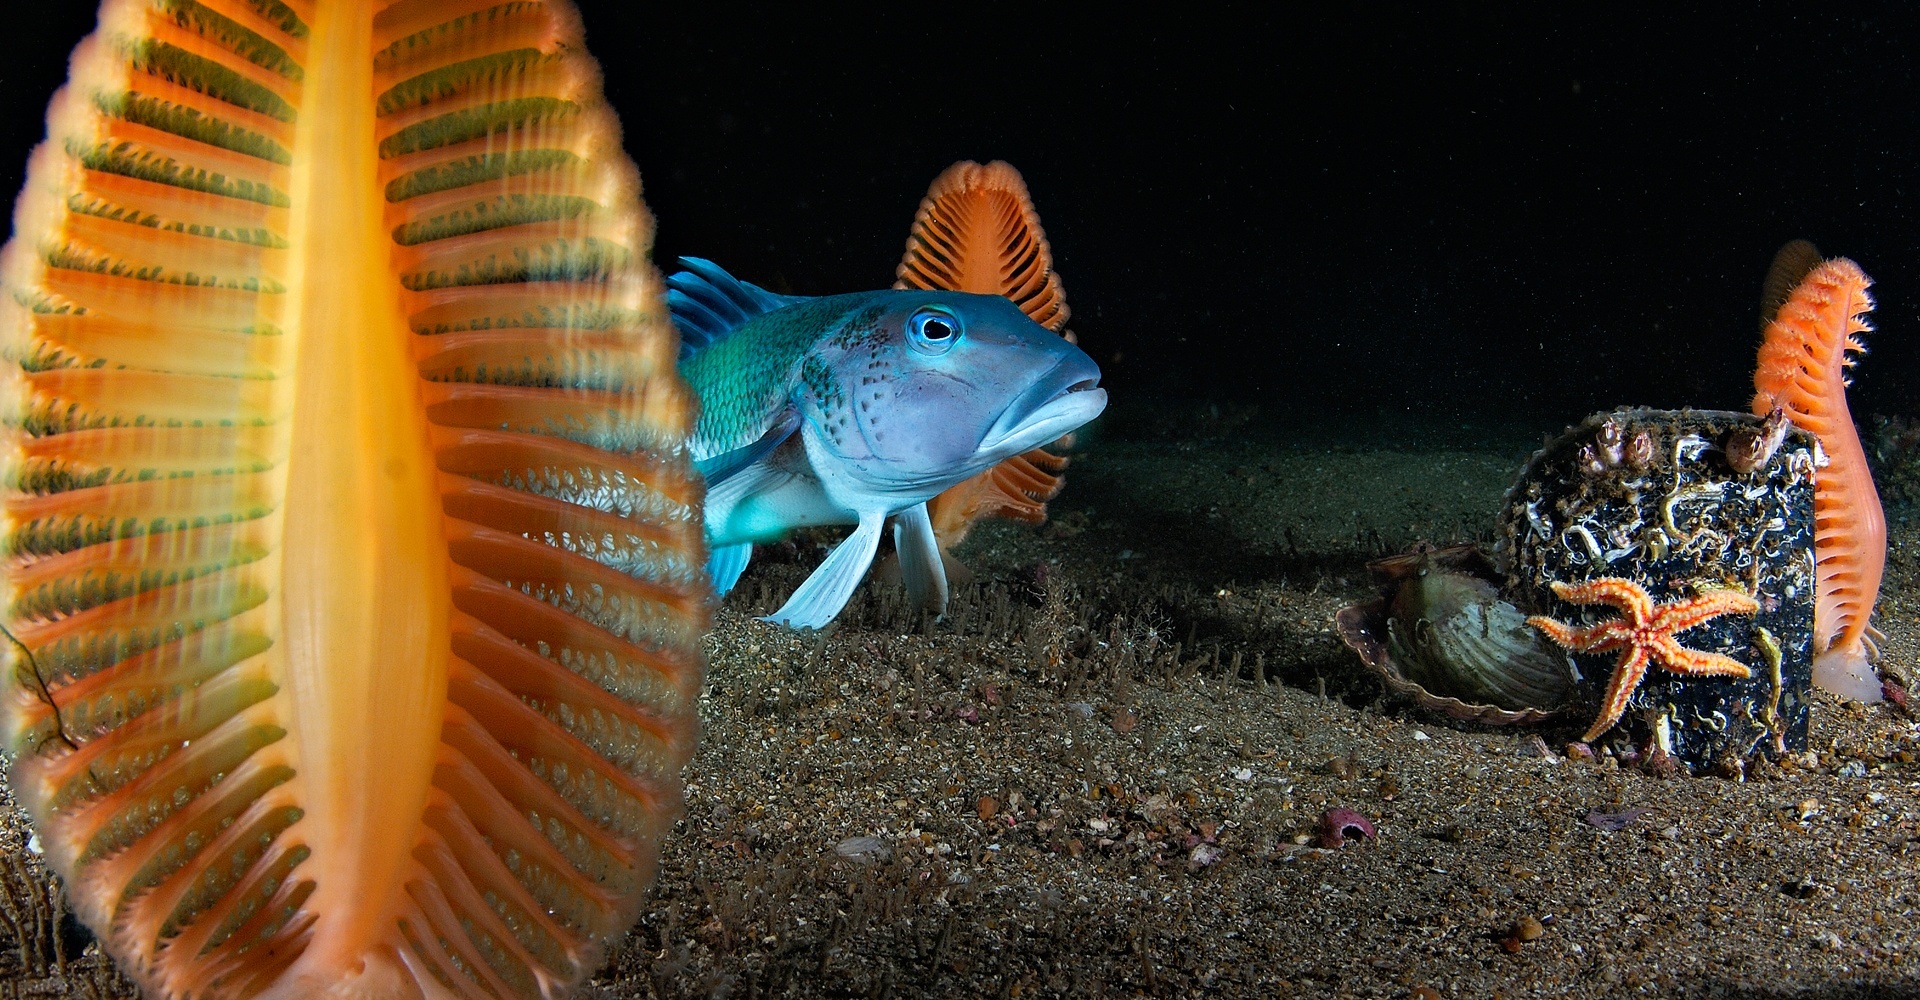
(987, 806)
(1529, 929)
(1421, 735)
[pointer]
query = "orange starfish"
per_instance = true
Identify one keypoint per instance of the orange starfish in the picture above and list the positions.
(1644, 633)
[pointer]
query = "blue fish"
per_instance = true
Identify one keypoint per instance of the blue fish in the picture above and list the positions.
(852, 409)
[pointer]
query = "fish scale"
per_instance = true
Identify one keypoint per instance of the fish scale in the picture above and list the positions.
(744, 380)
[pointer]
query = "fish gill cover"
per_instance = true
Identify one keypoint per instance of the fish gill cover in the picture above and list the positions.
(352, 556)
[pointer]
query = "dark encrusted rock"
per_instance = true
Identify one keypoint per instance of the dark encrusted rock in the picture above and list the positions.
(1650, 496)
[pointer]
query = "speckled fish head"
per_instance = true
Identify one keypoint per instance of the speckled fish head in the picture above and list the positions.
(919, 390)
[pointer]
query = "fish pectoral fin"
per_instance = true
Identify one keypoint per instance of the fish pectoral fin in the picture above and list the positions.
(723, 467)
(921, 569)
(824, 593)
(725, 565)
(724, 495)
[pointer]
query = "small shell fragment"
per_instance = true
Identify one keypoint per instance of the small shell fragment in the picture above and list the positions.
(864, 850)
(1339, 824)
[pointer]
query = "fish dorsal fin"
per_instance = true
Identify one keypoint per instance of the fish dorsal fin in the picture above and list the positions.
(1790, 266)
(708, 304)
(976, 231)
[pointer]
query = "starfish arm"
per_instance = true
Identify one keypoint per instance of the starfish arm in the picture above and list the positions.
(1629, 597)
(1627, 672)
(1557, 632)
(1685, 614)
(1678, 659)
(1612, 634)
(1602, 638)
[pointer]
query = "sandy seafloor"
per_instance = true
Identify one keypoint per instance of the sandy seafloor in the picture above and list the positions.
(1100, 775)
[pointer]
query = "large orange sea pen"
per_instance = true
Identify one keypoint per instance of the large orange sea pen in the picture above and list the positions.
(977, 231)
(1809, 343)
(351, 552)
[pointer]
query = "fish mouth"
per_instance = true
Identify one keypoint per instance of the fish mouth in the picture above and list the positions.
(1068, 396)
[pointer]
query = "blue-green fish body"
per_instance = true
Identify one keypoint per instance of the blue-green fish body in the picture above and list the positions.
(852, 409)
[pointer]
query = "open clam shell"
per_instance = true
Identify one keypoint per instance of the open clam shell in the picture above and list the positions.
(1442, 637)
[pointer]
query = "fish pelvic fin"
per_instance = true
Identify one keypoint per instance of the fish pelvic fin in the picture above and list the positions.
(725, 565)
(921, 570)
(822, 595)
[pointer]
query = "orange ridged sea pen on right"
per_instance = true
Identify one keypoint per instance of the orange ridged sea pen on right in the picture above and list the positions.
(1810, 342)
(977, 231)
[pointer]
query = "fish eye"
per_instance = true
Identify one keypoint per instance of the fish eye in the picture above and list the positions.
(933, 331)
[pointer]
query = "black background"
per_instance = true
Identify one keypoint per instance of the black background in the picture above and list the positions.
(1364, 207)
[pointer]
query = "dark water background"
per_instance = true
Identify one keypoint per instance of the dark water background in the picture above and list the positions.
(1365, 209)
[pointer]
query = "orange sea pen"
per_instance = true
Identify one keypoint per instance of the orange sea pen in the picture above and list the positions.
(977, 231)
(352, 559)
(1809, 344)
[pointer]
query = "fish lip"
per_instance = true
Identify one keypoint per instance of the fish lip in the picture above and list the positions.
(1063, 399)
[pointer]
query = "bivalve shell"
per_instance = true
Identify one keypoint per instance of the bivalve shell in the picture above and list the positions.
(1442, 636)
